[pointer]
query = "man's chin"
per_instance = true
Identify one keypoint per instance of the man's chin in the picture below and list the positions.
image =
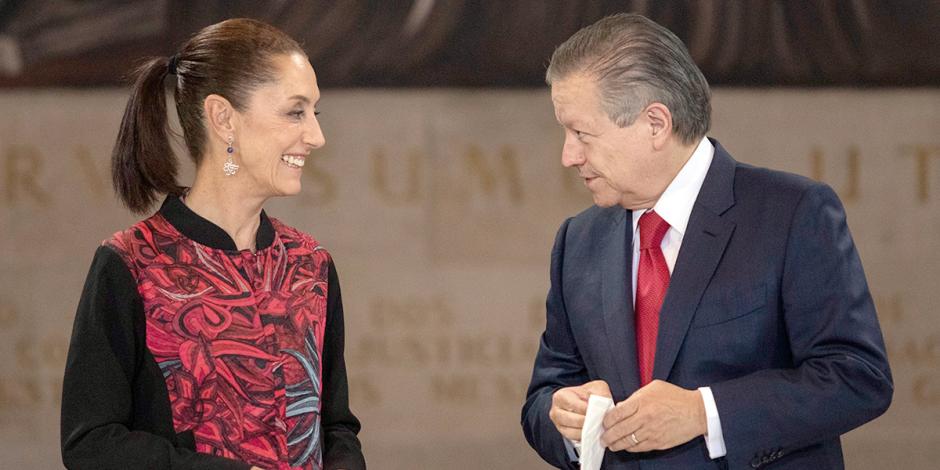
(604, 202)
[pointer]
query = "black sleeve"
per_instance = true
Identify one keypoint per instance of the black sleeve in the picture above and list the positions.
(341, 447)
(100, 371)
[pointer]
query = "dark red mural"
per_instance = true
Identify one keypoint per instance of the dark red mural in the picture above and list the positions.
(359, 43)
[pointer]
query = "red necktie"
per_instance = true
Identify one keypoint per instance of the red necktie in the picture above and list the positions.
(652, 280)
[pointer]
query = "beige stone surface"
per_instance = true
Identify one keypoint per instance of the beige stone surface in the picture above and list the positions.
(439, 208)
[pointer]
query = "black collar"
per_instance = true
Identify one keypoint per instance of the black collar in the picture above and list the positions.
(200, 230)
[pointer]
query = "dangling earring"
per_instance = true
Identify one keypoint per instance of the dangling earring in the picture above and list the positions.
(230, 167)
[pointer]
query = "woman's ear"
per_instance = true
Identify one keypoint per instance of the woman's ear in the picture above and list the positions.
(220, 116)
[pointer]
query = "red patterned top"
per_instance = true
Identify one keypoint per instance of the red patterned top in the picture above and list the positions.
(237, 337)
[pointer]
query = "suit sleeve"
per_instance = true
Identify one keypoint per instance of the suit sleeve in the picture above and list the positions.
(840, 377)
(558, 364)
(342, 448)
(102, 363)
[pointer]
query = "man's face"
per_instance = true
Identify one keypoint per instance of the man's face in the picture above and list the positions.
(619, 165)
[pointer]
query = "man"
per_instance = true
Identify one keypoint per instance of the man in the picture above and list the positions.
(723, 307)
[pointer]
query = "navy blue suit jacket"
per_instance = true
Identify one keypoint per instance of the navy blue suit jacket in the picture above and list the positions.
(767, 304)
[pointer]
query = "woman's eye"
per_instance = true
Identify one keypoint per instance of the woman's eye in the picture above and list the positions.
(297, 114)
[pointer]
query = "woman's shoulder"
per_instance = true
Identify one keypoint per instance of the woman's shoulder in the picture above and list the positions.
(142, 233)
(290, 234)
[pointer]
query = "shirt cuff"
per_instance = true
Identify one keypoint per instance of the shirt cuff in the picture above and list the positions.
(573, 448)
(714, 439)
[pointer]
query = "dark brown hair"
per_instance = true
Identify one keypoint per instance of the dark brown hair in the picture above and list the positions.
(230, 59)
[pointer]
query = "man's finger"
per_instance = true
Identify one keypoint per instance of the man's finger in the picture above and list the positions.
(572, 434)
(569, 401)
(597, 387)
(621, 430)
(567, 419)
(622, 411)
(624, 443)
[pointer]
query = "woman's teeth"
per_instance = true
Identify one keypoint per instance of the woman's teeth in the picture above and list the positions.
(293, 161)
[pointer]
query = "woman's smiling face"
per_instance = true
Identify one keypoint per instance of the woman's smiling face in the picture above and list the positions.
(279, 128)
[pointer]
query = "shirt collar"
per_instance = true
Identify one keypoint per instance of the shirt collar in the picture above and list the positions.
(204, 232)
(675, 204)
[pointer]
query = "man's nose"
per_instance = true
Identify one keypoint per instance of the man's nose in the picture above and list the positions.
(572, 154)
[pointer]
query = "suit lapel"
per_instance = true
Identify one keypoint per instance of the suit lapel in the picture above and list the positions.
(615, 256)
(703, 245)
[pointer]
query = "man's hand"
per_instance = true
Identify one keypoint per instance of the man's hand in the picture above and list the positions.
(569, 406)
(659, 416)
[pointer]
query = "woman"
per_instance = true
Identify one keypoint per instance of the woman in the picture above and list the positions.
(208, 333)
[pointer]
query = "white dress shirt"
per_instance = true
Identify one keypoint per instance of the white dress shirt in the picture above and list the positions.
(675, 207)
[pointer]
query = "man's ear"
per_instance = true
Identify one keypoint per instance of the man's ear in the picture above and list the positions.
(220, 116)
(660, 123)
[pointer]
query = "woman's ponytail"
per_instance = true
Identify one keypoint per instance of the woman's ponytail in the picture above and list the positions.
(143, 164)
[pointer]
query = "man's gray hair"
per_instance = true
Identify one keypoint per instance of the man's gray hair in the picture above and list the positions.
(637, 62)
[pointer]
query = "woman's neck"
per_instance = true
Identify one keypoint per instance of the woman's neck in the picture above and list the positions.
(238, 216)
